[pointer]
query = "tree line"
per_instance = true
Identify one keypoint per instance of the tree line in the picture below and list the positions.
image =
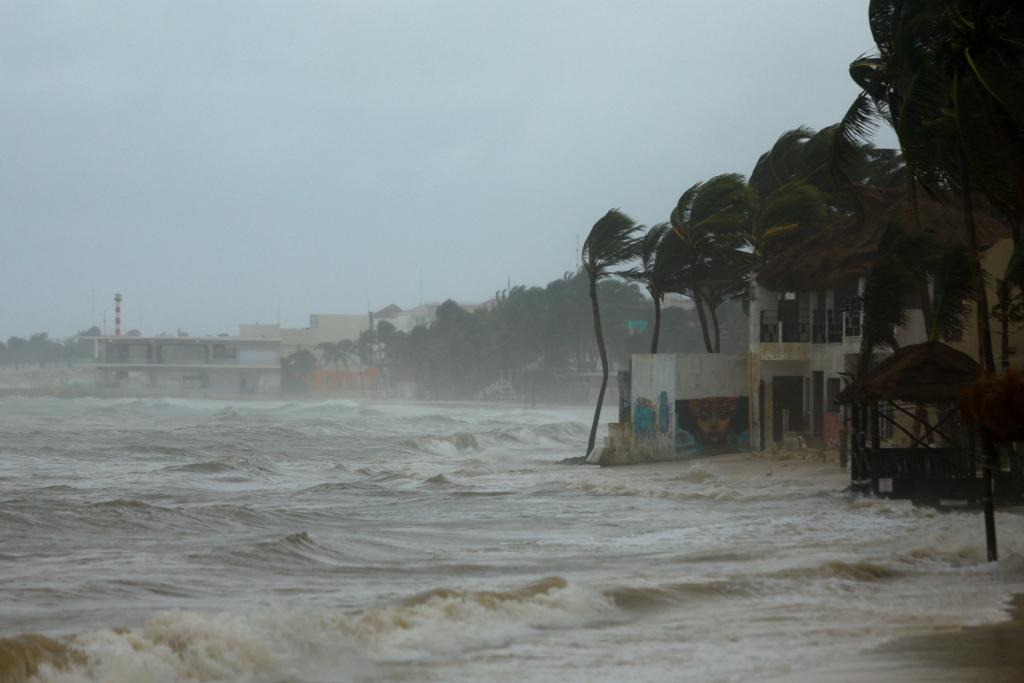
(541, 335)
(40, 350)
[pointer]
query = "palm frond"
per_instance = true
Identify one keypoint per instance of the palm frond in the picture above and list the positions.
(953, 295)
(611, 242)
(850, 137)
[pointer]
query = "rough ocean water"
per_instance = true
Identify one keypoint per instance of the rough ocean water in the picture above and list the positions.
(177, 540)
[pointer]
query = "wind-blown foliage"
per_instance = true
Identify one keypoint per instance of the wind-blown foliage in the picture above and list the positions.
(707, 261)
(656, 280)
(610, 243)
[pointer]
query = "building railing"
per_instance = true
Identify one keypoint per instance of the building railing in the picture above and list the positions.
(818, 326)
(775, 330)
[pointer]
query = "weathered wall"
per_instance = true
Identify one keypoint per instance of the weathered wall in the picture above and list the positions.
(688, 404)
(712, 406)
(653, 387)
(701, 375)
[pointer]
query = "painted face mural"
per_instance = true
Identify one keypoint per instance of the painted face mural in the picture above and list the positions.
(712, 417)
(712, 425)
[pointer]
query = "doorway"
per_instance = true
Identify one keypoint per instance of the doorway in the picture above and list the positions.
(788, 402)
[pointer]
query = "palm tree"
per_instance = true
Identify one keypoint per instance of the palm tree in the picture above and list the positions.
(939, 276)
(950, 77)
(337, 354)
(297, 370)
(711, 228)
(654, 276)
(611, 242)
(1010, 307)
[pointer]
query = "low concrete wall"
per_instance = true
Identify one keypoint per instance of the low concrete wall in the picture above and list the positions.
(683, 405)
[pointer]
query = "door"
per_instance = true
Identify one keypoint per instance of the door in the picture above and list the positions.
(788, 399)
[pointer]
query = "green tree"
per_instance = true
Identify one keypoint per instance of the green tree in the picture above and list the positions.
(657, 281)
(297, 370)
(337, 354)
(609, 244)
(706, 258)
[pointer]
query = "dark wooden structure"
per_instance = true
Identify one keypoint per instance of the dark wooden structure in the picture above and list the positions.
(941, 465)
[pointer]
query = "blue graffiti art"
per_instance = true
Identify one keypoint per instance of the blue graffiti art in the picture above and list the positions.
(644, 418)
(664, 415)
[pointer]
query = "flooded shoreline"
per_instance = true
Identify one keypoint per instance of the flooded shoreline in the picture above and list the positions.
(174, 540)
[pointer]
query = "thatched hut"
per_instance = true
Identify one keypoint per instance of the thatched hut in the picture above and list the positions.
(916, 392)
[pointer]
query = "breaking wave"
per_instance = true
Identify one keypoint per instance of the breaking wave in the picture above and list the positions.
(444, 445)
(289, 644)
(838, 569)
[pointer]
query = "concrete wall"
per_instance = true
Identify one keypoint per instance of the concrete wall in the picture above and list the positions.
(700, 375)
(653, 396)
(258, 356)
(712, 407)
(689, 404)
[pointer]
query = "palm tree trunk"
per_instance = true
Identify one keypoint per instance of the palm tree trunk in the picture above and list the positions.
(912, 190)
(702, 317)
(984, 329)
(984, 354)
(604, 365)
(718, 331)
(657, 325)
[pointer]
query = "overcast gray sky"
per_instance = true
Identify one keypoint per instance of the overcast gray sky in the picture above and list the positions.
(212, 160)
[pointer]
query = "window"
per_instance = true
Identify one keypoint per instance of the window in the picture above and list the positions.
(220, 351)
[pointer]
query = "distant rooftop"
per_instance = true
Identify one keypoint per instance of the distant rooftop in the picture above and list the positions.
(176, 338)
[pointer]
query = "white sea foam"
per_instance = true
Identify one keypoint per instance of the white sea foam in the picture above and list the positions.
(315, 645)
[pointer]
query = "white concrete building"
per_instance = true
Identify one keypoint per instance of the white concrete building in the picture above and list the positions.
(189, 366)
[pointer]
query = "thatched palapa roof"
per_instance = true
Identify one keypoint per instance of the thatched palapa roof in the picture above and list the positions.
(842, 253)
(931, 372)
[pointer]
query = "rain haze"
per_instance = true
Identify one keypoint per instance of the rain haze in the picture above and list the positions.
(228, 162)
(511, 342)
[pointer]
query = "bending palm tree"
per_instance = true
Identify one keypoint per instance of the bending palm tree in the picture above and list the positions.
(609, 244)
(711, 226)
(652, 273)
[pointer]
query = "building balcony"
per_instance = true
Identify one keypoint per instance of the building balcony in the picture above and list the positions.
(811, 327)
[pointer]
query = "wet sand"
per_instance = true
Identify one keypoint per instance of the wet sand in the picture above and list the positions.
(990, 653)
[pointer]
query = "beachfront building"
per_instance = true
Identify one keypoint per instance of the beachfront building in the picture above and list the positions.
(323, 328)
(806, 319)
(188, 366)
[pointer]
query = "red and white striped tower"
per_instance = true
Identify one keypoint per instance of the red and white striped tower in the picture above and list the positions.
(117, 314)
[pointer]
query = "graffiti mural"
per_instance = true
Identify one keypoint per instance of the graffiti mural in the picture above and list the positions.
(712, 425)
(664, 415)
(644, 418)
